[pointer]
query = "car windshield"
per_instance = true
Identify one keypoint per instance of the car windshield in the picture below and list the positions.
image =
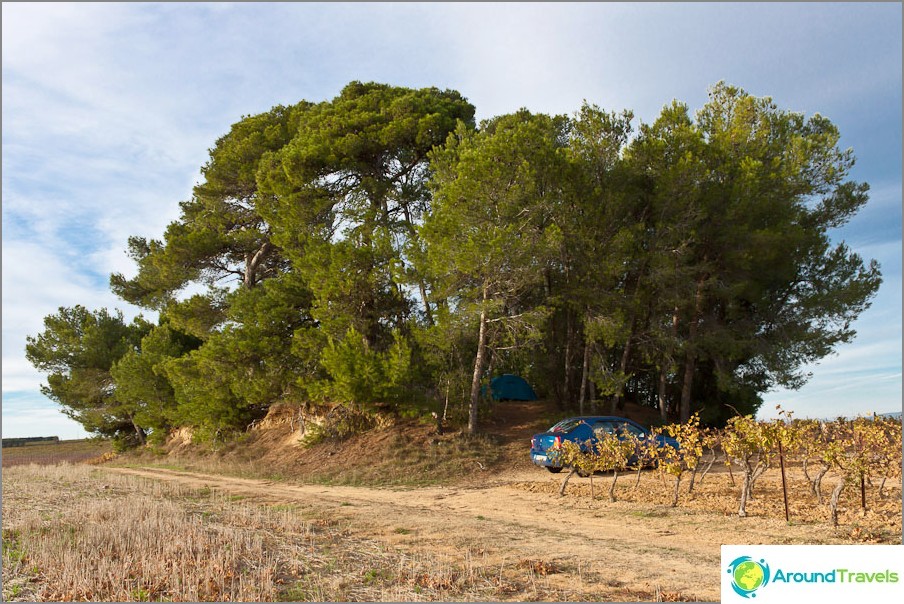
(566, 425)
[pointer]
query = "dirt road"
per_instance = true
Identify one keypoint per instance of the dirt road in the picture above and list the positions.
(633, 552)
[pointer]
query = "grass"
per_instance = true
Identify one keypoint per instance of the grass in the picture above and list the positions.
(132, 543)
(649, 513)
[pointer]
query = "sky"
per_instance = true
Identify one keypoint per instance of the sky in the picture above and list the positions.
(109, 111)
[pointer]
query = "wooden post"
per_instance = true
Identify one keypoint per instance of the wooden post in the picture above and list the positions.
(781, 461)
(862, 492)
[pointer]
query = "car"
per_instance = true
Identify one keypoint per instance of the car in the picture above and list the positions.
(585, 431)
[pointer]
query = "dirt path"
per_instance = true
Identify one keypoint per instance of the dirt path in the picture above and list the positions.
(631, 549)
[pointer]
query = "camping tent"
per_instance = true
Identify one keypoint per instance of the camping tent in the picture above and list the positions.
(510, 387)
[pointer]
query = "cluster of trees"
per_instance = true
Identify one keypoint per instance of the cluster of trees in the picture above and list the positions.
(383, 251)
(856, 452)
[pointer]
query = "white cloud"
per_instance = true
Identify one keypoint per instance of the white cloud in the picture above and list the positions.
(25, 421)
(36, 282)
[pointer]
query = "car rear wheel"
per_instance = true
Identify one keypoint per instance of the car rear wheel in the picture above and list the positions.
(553, 469)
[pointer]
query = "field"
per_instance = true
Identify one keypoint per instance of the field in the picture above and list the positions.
(128, 534)
(64, 451)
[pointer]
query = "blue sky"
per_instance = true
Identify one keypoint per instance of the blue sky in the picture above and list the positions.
(109, 111)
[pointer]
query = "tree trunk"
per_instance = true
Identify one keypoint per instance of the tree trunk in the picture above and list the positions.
(664, 372)
(691, 357)
(565, 482)
(745, 490)
(253, 263)
(663, 403)
(612, 486)
(428, 312)
(685, 410)
(622, 370)
(585, 376)
(478, 365)
(142, 437)
(833, 504)
(708, 466)
(816, 485)
(569, 335)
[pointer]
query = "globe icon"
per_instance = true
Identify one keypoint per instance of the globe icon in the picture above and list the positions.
(748, 575)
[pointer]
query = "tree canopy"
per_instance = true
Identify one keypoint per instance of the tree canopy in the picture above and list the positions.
(380, 251)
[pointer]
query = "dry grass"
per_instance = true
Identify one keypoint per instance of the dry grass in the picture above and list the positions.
(70, 534)
(75, 533)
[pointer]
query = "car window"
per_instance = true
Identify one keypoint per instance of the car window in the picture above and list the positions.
(632, 429)
(601, 428)
(566, 425)
(621, 428)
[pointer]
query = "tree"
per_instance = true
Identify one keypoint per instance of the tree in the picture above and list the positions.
(686, 457)
(490, 233)
(344, 197)
(221, 234)
(688, 266)
(749, 287)
(249, 363)
(77, 349)
(141, 382)
(587, 281)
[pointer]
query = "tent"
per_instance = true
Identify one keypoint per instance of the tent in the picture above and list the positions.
(510, 387)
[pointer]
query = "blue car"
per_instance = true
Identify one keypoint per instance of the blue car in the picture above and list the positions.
(543, 447)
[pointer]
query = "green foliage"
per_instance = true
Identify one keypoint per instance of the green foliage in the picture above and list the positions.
(345, 195)
(141, 382)
(78, 349)
(379, 248)
(361, 377)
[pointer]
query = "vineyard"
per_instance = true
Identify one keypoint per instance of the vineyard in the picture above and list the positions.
(860, 455)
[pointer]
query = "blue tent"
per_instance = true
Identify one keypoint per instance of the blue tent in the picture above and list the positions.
(510, 387)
